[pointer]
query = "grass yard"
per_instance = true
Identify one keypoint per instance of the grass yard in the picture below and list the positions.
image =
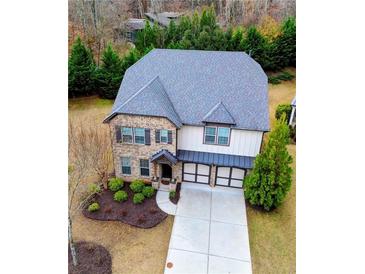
(272, 235)
(135, 250)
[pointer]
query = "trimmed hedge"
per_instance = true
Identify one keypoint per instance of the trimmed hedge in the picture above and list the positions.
(93, 207)
(120, 196)
(115, 184)
(138, 198)
(137, 186)
(148, 191)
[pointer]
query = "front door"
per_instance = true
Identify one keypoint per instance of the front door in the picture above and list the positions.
(166, 171)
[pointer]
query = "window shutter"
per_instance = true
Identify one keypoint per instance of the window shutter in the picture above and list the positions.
(169, 137)
(157, 136)
(118, 133)
(147, 136)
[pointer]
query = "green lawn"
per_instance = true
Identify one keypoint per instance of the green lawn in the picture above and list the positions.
(272, 235)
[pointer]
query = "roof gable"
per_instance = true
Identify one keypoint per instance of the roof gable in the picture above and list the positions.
(219, 114)
(150, 100)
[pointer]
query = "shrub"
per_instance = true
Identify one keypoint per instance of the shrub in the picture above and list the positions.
(93, 207)
(120, 196)
(115, 184)
(94, 188)
(136, 186)
(138, 198)
(270, 180)
(148, 191)
(172, 194)
(283, 109)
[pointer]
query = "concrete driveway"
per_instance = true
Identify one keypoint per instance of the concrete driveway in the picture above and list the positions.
(210, 233)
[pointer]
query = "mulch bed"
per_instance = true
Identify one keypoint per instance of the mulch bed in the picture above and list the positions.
(177, 195)
(145, 215)
(92, 258)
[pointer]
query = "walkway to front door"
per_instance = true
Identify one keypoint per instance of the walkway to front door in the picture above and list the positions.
(210, 233)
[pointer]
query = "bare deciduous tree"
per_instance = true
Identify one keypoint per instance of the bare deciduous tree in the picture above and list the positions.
(89, 153)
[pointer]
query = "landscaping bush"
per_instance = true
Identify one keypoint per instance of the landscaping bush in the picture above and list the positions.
(283, 109)
(115, 184)
(120, 196)
(93, 207)
(172, 194)
(148, 191)
(136, 186)
(138, 198)
(94, 188)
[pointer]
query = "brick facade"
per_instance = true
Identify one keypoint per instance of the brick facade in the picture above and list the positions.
(139, 151)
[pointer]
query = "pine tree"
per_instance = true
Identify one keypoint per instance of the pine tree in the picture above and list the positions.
(171, 33)
(236, 39)
(219, 40)
(256, 45)
(270, 180)
(81, 70)
(110, 73)
(285, 44)
(133, 56)
(208, 18)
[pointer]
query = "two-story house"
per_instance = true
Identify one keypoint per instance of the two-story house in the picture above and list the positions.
(198, 116)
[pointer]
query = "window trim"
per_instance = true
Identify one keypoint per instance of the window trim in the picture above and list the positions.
(126, 135)
(140, 168)
(167, 136)
(121, 165)
(135, 135)
(216, 136)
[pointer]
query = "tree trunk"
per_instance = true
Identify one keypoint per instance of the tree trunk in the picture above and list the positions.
(71, 242)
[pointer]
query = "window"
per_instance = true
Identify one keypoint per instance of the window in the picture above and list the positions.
(144, 167)
(139, 136)
(210, 133)
(126, 165)
(127, 135)
(216, 135)
(164, 136)
(223, 135)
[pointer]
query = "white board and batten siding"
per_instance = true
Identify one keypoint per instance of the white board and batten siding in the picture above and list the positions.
(243, 142)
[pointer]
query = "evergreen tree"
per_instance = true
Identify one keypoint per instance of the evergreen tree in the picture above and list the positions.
(285, 44)
(132, 56)
(219, 40)
(256, 45)
(208, 18)
(270, 180)
(171, 33)
(81, 70)
(110, 74)
(184, 25)
(237, 37)
(187, 42)
(203, 41)
(146, 37)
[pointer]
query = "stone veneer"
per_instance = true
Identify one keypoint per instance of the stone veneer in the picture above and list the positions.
(138, 151)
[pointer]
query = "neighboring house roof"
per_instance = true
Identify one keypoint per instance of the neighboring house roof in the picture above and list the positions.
(163, 18)
(195, 82)
(219, 114)
(294, 102)
(217, 159)
(150, 100)
(135, 23)
(164, 153)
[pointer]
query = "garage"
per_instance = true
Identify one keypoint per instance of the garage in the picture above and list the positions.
(196, 173)
(229, 176)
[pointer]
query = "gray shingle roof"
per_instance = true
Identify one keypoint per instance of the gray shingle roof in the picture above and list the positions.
(164, 153)
(219, 114)
(195, 81)
(150, 100)
(215, 159)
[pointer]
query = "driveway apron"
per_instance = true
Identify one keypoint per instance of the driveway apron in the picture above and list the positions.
(210, 233)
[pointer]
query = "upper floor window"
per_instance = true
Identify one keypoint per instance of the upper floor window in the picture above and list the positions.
(139, 135)
(127, 135)
(163, 136)
(216, 135)
(210, 135)
(223, 135)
